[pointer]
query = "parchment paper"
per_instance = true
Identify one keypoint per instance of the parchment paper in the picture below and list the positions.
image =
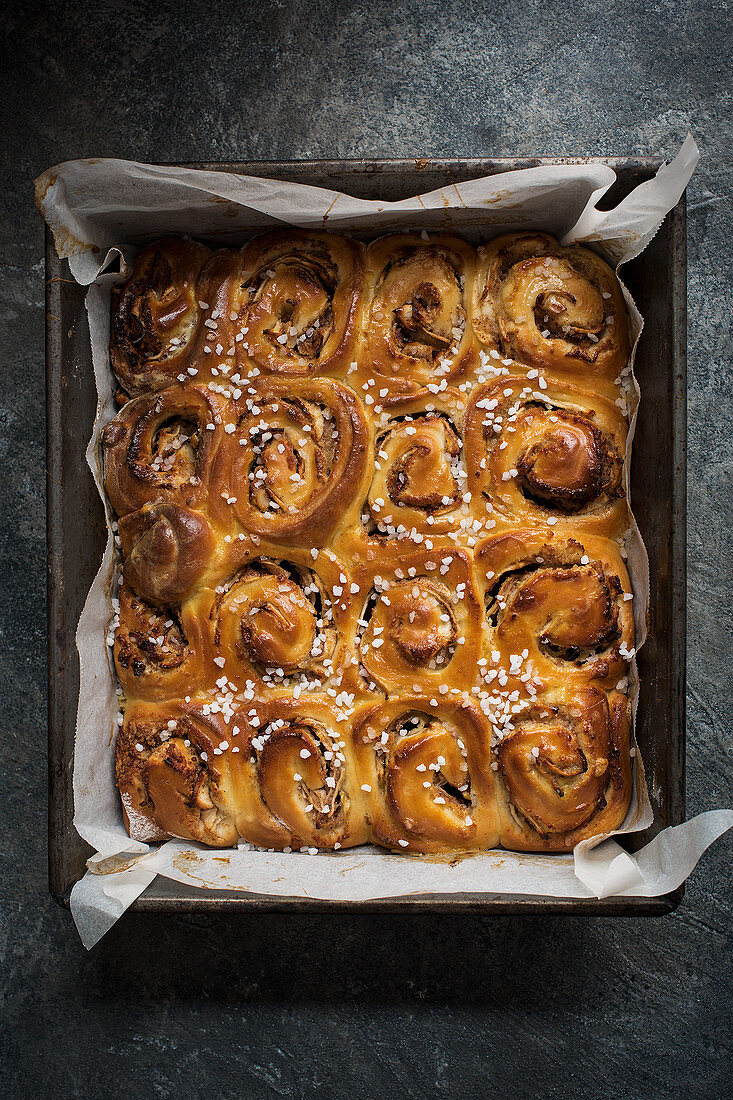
(101, 210)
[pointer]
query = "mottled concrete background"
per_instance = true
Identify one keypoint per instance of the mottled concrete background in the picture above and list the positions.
(285, 1006)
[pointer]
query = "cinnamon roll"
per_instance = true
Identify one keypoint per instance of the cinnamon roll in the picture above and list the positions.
(564, 770)
(300, 787)
(156, 315)
(279, 622)
(292, 467)
(552, 452)
(419, 480)
(299, 302)
(556, 608)
(419, 622)
(552, 308)
(160, 448)
(167, 548)
(159, 652)
(425, 772)
(175, 775)
(417, 329)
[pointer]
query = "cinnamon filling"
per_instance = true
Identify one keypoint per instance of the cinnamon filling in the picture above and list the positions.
(175, 447)
(149, 639)
(292, 299)
(421, 291)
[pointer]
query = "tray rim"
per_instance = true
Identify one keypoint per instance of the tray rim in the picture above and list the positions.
(178, 898)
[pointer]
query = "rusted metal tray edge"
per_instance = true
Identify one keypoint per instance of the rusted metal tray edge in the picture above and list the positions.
(166, 896)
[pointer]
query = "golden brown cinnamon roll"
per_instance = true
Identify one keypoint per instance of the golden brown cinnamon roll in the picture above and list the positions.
(298, 302)
(175, 775)
(419, 622)
(277, 622)
(294, 465)
(300, 788)
(552, 308)
(564, 770)
(156, 316)
(417, 330)
(159, 652)
(553, 452)
(425, 772)
(558, 609)
(166, 548)
(160, 448)
(419, 480)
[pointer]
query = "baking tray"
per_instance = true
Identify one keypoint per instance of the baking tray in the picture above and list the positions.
(76, 532)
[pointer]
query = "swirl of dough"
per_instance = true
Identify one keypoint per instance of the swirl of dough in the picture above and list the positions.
(419, 624)
(419, 480)
(557, 607)
(429, 785)
(160, 448)
(552, 308)
(292, 468)
(174, 776)
(158, 651)
(417, 329)
(299, 302)
(565, 769)
(156, 316)
(273, 622)
(301, 786)
(557, 452)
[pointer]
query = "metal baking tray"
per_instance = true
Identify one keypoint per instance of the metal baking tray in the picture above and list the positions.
(76, 532)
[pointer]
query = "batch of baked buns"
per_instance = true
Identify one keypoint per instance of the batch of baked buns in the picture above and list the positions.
(371, 506)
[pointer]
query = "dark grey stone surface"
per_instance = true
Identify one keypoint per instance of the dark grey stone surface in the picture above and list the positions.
(373, 1006)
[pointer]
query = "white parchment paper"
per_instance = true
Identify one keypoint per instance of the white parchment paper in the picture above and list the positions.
(100, 210)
